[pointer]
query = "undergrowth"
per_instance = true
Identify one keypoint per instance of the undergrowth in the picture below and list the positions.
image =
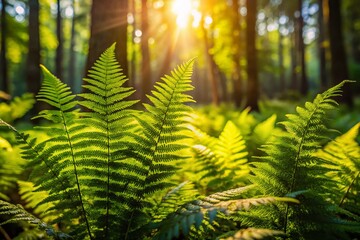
(107, 171)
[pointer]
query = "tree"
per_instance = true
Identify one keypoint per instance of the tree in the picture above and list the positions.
(108, 25)
(72, 56)
(321, 46)
(3, 62)
(236, 75)
(33, 61)
(304, 85)
(251, 55)
(145, 53)
(339, 67)
(59, 49)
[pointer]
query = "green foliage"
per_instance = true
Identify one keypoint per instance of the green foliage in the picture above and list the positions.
(17, 108)
(290, 167)
(106, 171)
(11, 166)
(18, 213)
(252, 234)
(222, 161)
(344, 155)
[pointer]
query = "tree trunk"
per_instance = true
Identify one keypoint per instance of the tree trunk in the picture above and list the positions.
(304, 85)
(4, 81)
(236, 75)
(33, 61)
(108, 26)
(59, 49)
(145, 69)
(321, 47)
(72, 54)
(251, 55)
(339, 67)
(211, 72)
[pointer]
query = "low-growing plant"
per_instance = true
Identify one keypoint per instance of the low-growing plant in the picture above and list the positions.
(101, 170)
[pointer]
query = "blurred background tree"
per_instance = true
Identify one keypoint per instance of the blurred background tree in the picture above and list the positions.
(246, 50)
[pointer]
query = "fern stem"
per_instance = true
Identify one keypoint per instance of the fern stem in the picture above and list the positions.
(108, 162)
(75, 172)
(4, 233)
(348, 190)
(297, 161)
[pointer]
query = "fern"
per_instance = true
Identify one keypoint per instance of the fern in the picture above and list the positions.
(19, 214)
(203, 211)
(344, 153)
(252, 234)
(291, 167)
(160, 141)
(223, 161)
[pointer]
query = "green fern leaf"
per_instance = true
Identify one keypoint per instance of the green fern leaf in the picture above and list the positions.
(290, 165)
(252, 234)
(17, 214)
(163, 134)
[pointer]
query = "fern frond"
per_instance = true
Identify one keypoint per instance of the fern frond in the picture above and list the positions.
(252, 234)
(56, 157)
(224, 160)
(17, 214)
(162, 138)
(204, 211)
(344, 153)
(108, 117)
(290, 165)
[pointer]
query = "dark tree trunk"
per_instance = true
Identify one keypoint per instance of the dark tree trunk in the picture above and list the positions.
(72, 55)
(251, 55)
(132, 64)
(321, 47)
(59, 49)
(33, 61)
(145, 69)
(339, 67)
(4, 81)
(236, 75)
(294, 60)
(304, 85)
(108, 26)
(211, 73)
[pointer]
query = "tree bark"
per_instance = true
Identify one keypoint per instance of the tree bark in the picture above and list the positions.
(321, 47)
(108, 26)
(4, 81)
(236, 75)
(72, 54)
(146, 81)
(339, 65)
(251, 55)
(33, 61)
(60, 48)
(211, 72)
(304, 85)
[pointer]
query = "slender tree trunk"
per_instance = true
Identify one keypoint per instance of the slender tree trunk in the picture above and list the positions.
(211, 72)
(33, 60)
(108, 26)
(59, 49)
(145, 69)
(304, 85)
(236, 75)
(294, 60)
(321, 47)
(281, 54)
(132, 64)
(4, 81)
(72, 54)
(251, 55)
(339, 67)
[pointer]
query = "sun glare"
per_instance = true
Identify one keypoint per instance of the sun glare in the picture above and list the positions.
(183, 10)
